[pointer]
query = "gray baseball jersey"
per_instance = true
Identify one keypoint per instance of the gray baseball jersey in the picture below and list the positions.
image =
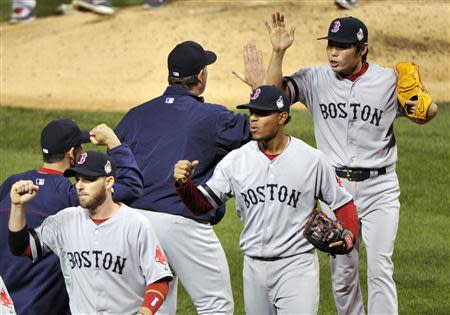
(106, 266)
(353, 120)
(275, 197)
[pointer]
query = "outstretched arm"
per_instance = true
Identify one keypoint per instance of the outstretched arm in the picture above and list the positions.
(281, 40)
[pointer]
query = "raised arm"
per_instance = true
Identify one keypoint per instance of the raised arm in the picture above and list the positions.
(129, 183)
(18, 239)
(281, 40)
(21, 192)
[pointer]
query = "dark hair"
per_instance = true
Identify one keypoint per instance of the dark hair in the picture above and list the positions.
(359, 47)
(188, 82)
(53, 158)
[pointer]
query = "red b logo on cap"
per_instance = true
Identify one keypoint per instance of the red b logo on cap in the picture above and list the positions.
(256, 94)
(82, 158)
(336, 26)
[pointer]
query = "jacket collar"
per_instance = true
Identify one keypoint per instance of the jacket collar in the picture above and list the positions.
(178, 90)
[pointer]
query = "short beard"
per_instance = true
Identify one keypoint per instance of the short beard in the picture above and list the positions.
(93, 203)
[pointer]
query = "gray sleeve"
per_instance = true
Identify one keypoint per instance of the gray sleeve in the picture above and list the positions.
(44, 238)
(219, 188)
(299, 85)
(152, 259)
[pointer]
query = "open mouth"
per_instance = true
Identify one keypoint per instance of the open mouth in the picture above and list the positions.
(334, 64)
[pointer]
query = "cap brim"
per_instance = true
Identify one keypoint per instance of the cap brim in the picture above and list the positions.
(210, 57)
(337, 40)
(255, 106)
(71, 172)
(85, 137)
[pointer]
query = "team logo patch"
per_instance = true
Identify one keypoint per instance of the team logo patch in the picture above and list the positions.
(44, 150)
(159, 256)
(360, 35)
(176, 74)
(339, 182)
(5, 299)
(82, 158)
(336, 26)
(108, 167)
(40, 181)
(280, 102)
(256, 93)
(169, 100)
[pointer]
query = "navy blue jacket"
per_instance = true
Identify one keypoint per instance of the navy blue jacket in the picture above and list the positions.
(38, 289)
(179, 126)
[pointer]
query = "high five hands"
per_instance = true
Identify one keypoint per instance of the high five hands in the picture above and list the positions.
(254, 72)
(280, 37)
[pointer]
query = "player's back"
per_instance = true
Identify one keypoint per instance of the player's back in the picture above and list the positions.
(35, 289)
(178, 126)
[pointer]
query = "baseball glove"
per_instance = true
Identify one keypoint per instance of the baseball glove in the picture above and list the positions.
(321, 231)
(410, 87)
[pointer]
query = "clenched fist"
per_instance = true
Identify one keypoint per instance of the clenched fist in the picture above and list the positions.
(23, 191)
(183, 171)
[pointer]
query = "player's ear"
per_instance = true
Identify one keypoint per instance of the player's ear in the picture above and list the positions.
(109, 182)
(283, 118)
(363, 50)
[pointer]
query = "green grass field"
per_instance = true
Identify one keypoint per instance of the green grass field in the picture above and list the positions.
(422, 248)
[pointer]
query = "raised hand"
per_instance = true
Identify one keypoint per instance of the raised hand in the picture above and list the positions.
(254, 72)
(280, 37)
(183, 171)
(104, 135)
(23, 191)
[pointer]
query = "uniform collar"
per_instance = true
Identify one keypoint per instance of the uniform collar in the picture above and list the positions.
(178, 90)
(44, 170)
(363, 70)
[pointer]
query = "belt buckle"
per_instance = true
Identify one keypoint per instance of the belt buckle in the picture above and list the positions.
(349, 174)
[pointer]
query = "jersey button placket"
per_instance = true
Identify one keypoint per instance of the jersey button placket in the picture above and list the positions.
(351, 129)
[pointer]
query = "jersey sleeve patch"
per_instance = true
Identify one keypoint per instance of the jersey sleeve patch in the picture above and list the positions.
(159, 256)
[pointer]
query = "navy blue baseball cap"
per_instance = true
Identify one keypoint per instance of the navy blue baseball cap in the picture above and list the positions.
(188, 58)
(268, 98)
(93, 164)
(347, 30)
(60, 135)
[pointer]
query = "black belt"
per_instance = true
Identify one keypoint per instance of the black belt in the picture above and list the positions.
(266, 258)
(359, 174)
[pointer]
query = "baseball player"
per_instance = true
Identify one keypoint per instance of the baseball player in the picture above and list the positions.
(40, 288)
(353, 105)
(276, 181)
(160, 132)
(110, 257)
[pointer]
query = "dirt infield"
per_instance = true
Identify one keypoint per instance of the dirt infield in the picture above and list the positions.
(88, 62)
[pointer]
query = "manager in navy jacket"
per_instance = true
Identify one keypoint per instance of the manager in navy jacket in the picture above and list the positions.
(174, 126)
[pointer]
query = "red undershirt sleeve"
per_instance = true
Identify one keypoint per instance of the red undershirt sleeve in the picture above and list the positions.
(155, 294)
(193, 198)
(348, 217)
